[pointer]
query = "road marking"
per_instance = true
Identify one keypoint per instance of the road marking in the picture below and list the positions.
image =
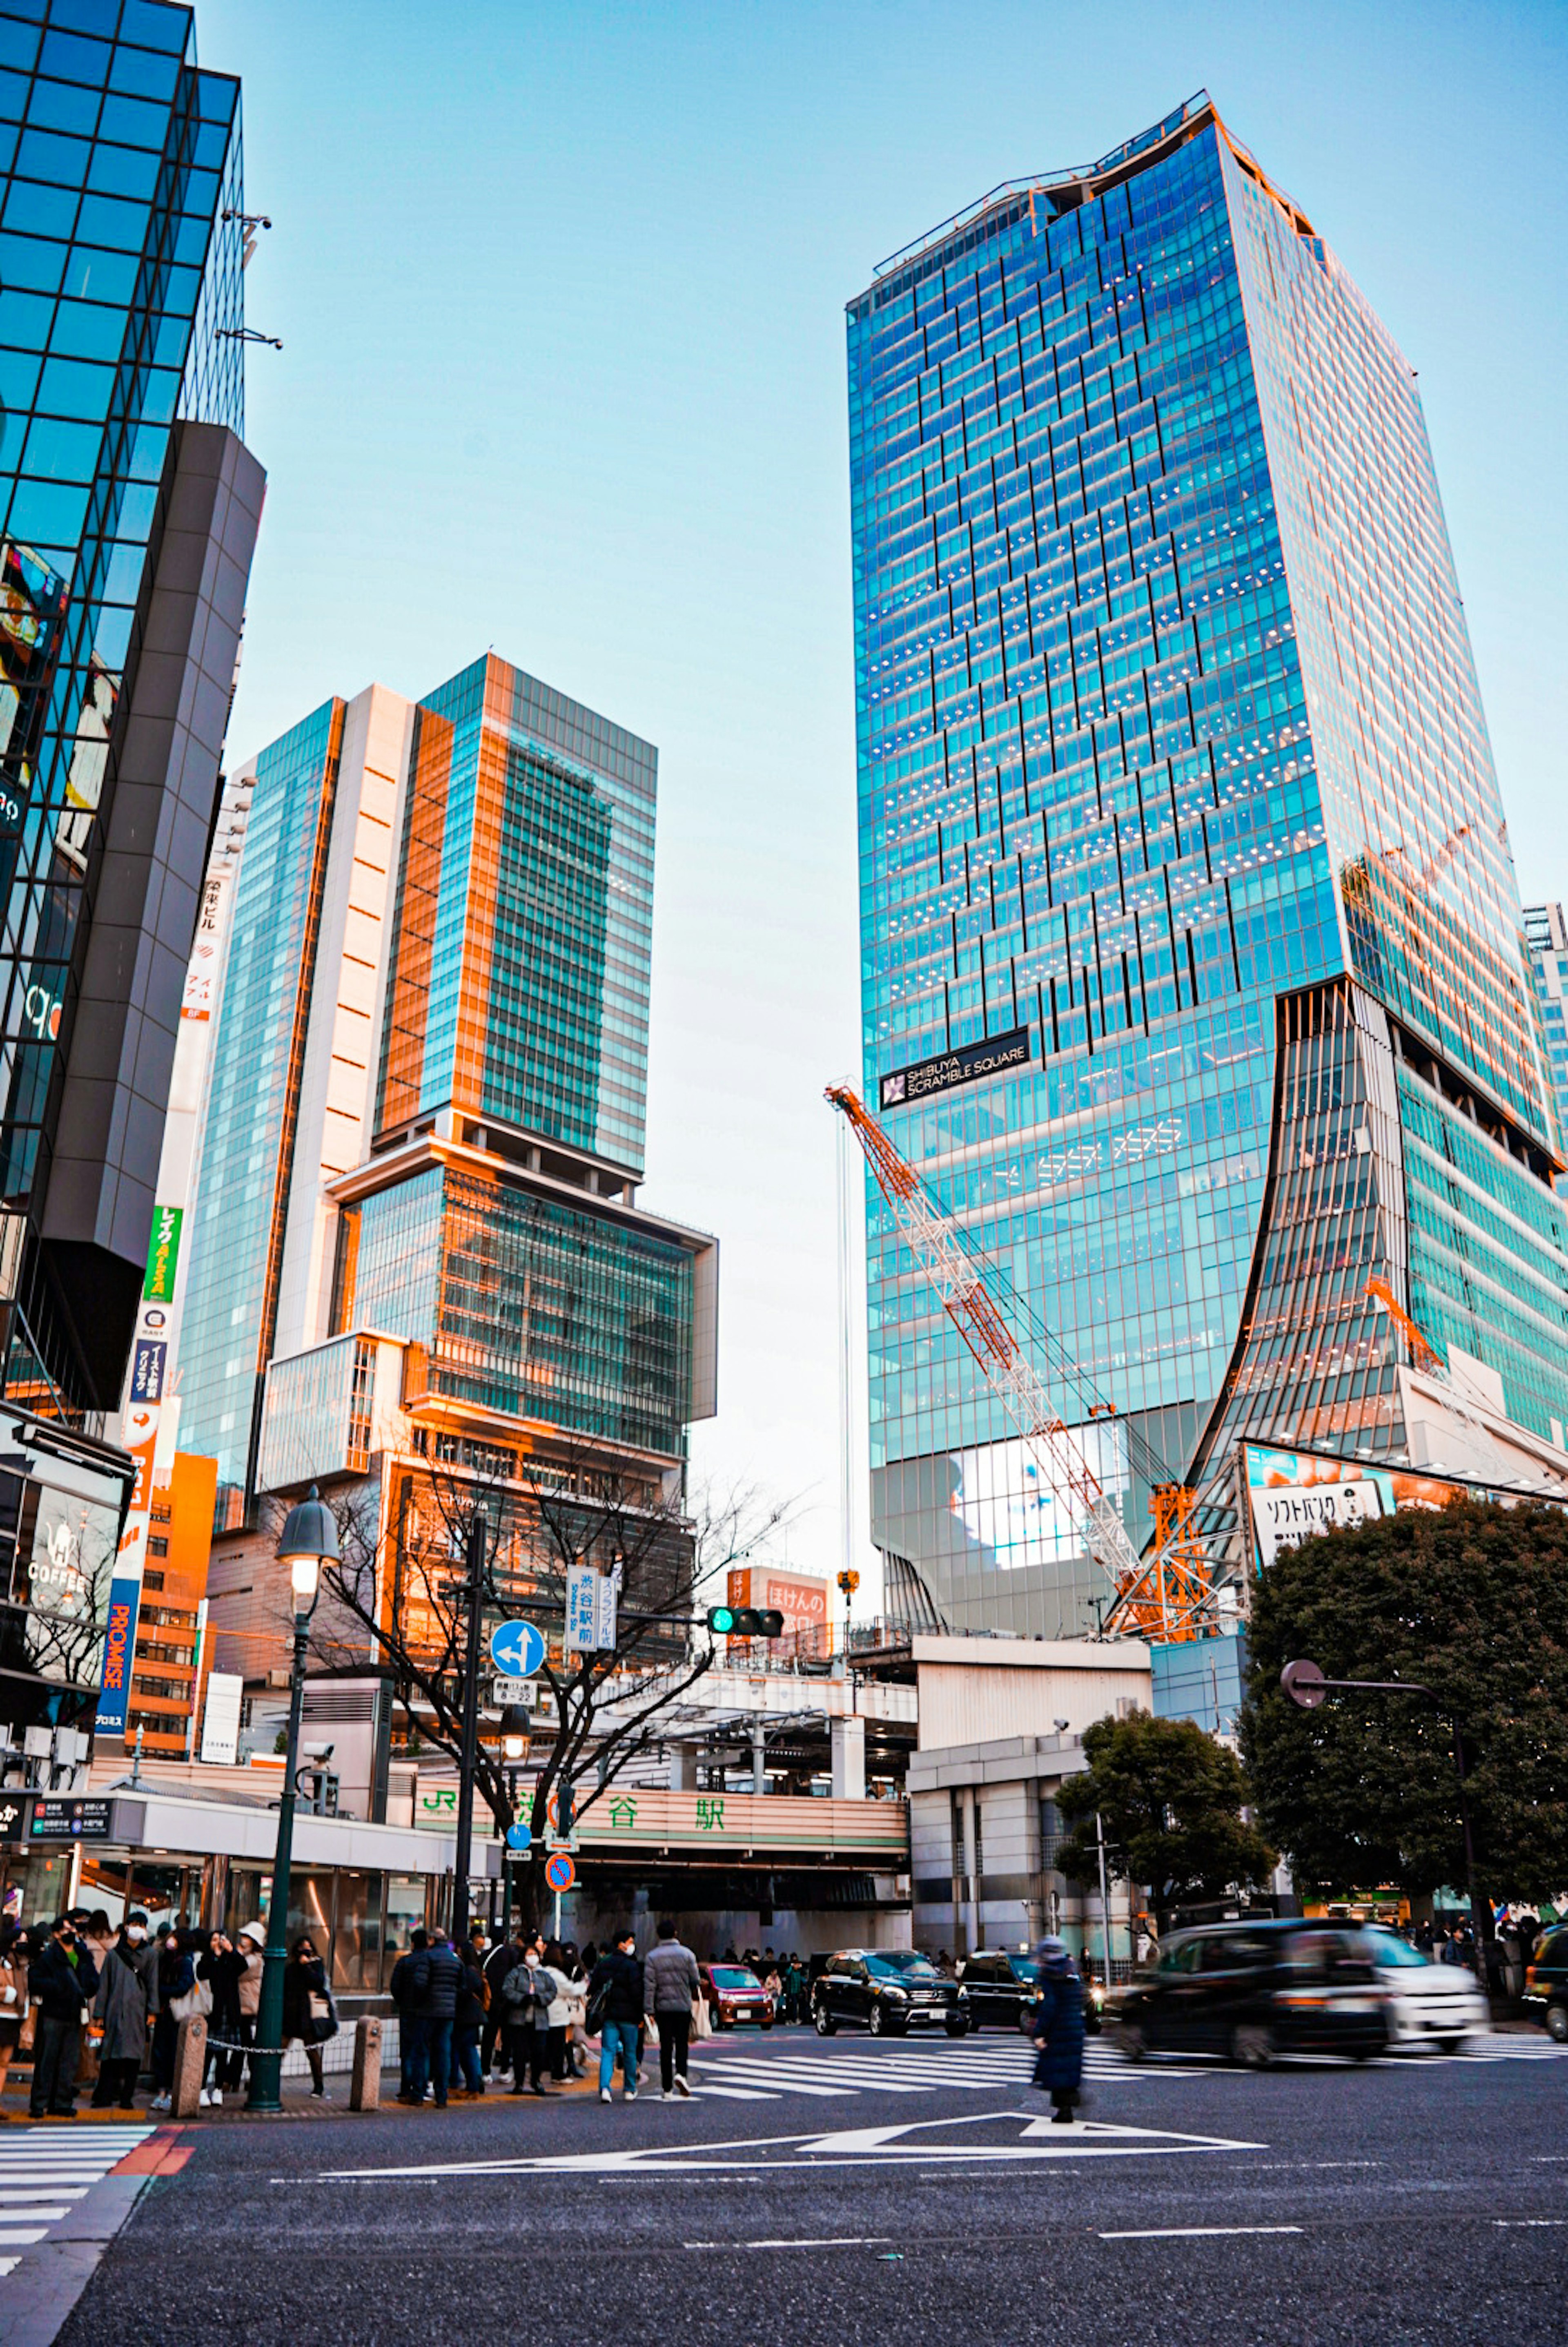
(829, 2241)
(1528, 2224)
(1196, 2232)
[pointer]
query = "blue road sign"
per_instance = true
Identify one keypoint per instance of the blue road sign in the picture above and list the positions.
(518, 1837)
(517, 1649)
(561, 1873)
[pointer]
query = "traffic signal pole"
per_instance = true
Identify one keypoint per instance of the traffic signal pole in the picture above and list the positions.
(473, 1587)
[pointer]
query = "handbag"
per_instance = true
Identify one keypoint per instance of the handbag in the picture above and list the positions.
(196, 2003)
(323, 2018)
(701, 2018)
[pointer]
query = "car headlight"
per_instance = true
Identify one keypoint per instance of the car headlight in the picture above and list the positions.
(901, 1994)
(963, 1996)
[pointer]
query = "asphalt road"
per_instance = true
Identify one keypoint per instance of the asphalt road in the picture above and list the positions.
(914, 2193)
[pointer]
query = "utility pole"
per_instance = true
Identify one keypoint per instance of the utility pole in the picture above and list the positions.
(473, 1590)
(1104, 1899)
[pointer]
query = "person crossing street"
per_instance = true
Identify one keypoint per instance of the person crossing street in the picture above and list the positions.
(1056, 2026)
(670, 1983)
(616, 2010)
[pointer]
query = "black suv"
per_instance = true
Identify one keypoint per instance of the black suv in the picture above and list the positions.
(1546, 1985)
(1255, 1990)
(1002, 1989)
(891, 1990)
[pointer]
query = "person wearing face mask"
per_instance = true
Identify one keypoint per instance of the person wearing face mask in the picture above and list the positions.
(13, 1994)
(62, 1980)
(125, 2004)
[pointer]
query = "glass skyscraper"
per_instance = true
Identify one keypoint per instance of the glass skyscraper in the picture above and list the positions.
(129, 516)
(1176, 796)
(424, 1124)
(1547, 934)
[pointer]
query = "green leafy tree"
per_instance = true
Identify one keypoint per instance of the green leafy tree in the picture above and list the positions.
(1171, 1800)
(1473, 1602)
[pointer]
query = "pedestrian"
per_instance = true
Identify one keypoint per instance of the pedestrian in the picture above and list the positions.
(95, 1933)
(576, 1979)
(410, 2036)
(13, 1994)
(529, 1990)
(468, 2019)
(795, 1990)
(126, 2006)
(1057, 2025)
(616, 2009)
(559, 2015)
(671, 1982)
(436, 1978)
(773, 1982)
(62, 1981)
(222, 1966)
(176, 1979)
(501, 1960)
(308, 2016)
(251, 1945)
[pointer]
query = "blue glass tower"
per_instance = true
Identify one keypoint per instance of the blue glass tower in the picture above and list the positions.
(1175, 794)
(129, 516)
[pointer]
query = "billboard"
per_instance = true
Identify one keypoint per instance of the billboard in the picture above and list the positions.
(995, 1055)
(801, 1598)
(1002, 1500)
(1294, 1493)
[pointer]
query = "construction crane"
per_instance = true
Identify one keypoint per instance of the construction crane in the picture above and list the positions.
(1423, 1355)
(1164, 1595)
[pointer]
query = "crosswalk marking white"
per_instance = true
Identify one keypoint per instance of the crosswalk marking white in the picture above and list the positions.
(44, 2171)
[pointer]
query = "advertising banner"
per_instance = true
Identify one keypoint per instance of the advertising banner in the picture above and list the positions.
(1294, 1493)
(995, 1055)
(148, 1362)
(163, 1255)
(220, 1719)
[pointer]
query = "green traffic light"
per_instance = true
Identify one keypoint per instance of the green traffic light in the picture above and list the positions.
(720, 1618)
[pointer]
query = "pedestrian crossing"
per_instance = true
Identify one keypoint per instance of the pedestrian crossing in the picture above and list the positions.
(737, 2076)
(45, 2171)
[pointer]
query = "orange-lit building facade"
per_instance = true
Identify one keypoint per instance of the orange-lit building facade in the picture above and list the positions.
(172, 1658)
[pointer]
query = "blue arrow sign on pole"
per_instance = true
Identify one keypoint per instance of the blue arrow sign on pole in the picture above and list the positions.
(518, 1837)
(517, 1649)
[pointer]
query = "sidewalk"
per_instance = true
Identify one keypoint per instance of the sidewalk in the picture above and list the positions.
(14, 2108)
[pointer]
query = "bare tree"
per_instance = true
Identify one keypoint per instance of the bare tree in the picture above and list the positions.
(404, 1594)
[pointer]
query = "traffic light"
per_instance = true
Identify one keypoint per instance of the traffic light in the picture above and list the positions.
(746, 1622)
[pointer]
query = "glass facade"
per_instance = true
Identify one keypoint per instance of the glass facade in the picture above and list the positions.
(120, 298)
(526, 1306)
(519, 987)
(1171, 753)
(245, 1144)
(1546, 933)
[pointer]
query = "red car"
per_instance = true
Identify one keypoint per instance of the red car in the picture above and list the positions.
(734, 1995)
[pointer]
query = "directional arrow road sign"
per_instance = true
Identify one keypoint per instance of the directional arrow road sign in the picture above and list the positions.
(517, 1649)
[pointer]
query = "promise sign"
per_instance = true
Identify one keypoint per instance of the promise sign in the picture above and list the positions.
(972, 1063)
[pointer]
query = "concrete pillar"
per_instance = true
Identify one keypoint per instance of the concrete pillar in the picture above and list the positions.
(189, 2062)
(759, 1757)
(682, 1767)
(365, 2086)
(850, 1758)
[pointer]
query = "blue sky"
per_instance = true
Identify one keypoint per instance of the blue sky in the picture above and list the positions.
(560, 292)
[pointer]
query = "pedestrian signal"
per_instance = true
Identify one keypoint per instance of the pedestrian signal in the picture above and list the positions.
(746, 1622)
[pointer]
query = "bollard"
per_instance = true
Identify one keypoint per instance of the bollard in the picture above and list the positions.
(189, 2063)
(365, 2087)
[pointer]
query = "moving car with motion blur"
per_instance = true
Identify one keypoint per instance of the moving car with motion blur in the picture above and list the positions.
(1255, 1991)
(1546, 1985)
(887, 1991)
(734, 1995)
(1423, 2003)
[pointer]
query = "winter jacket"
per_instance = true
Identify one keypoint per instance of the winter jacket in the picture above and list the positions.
(223, 1974)
(59, 1987)
(401, 1986)
(1057, 2027)
(568, 2004)
(123, 2004)
(13, 2007)
(527, 1993)
(470, 2009)
(670, 1978)
(622, 1978)
(437, 1978)
(301, 1983)
(249, 1990)
(176, 1976)
(498, 1964)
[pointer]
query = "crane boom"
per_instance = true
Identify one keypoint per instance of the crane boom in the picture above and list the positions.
(934, 1243)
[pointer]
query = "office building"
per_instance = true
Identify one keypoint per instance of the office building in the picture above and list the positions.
(130, 510)
(414, 1241)
(1196, 980)
(1547, 934)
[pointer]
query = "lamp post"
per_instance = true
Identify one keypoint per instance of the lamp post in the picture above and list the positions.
(1305, 1684)
(310, 1540)
(515, 1744)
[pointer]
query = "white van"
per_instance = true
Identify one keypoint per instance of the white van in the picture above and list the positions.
(1425, 2003)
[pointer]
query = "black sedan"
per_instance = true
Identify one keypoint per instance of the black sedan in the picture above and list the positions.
(1002, 1988)
(887, 1991)
(1253, 1991)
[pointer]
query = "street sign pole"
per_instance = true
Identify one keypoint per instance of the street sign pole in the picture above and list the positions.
(478, 1541)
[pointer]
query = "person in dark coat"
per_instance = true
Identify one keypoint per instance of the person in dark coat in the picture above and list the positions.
(411, 2034)
(468, 2020)
(1057, 2028)
(126, 2002)
(501, 1960)
(222, 1966)
(304, 1977)
(175, 1978)
(616, 1992)
(434, 1983)
(61, 1979)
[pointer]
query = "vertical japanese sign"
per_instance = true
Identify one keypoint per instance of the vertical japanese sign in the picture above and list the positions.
(591, 1609)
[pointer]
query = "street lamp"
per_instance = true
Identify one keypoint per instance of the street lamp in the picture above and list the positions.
(516, 1742)
(310, 1540)
(1305, 1684)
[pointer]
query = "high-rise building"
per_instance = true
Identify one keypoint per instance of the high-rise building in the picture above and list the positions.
(1547, 934)
(1195, 980)
(414, 1238)
(130, 511)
